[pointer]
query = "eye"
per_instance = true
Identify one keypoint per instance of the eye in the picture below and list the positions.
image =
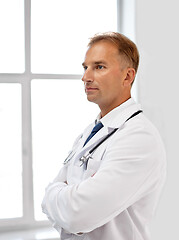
(85, 68)
(99, 67)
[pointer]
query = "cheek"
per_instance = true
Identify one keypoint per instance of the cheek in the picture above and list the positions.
(118, 74)
(114, 87)
(109, 82)
(108, 88)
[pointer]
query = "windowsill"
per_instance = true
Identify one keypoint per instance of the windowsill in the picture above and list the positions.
(35, 234)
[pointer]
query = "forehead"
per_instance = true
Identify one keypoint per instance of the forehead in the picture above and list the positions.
(102, 50)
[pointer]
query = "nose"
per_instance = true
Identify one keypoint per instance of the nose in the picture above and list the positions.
(87, 76)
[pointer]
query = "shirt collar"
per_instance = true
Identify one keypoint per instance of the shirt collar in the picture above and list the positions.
(119, 115)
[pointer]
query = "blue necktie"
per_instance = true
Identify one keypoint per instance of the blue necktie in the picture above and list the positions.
(93, 132)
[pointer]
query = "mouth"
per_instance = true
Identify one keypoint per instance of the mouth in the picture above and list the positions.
(90, 89)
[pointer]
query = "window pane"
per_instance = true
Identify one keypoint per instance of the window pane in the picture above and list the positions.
(61, 29)
(12, 36)
(10, 152)
(56, 105)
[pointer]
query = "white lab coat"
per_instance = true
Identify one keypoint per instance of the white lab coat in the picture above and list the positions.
(116, 197)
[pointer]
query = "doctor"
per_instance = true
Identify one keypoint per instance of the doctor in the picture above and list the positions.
(111, 181)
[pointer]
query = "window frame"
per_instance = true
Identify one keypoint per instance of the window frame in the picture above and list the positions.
(24, 79)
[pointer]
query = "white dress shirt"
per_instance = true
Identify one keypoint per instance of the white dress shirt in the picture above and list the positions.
(116, 196)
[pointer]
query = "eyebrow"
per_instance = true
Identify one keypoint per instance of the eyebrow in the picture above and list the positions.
(95, 63)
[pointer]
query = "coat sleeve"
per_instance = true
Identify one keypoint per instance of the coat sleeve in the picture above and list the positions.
(130, 169)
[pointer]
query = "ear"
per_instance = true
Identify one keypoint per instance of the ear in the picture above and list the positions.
(130, 75)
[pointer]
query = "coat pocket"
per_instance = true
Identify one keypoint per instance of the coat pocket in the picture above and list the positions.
(91, 168)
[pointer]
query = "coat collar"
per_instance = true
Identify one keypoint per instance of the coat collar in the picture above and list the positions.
(114, 119)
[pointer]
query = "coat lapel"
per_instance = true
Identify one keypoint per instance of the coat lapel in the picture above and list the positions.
(116, 121)
(92, 142)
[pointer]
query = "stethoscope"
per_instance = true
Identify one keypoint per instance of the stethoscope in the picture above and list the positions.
(84, 159)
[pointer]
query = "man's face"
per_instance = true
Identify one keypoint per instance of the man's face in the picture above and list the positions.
(104, 75)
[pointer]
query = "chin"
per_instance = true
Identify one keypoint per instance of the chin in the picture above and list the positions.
(91, 99)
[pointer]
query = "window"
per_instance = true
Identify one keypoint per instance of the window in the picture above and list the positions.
(12, 36)
(42, 47)
(11, 150)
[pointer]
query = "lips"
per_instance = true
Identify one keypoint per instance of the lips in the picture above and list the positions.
(90, 87)
(90, 90)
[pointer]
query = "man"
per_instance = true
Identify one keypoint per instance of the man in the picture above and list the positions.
(111, 181)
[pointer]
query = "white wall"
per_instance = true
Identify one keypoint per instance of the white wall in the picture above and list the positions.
(157, 37)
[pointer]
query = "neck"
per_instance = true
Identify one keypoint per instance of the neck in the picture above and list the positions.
(106, 109)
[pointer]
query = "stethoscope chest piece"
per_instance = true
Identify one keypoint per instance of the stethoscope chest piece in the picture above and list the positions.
(84, 160)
